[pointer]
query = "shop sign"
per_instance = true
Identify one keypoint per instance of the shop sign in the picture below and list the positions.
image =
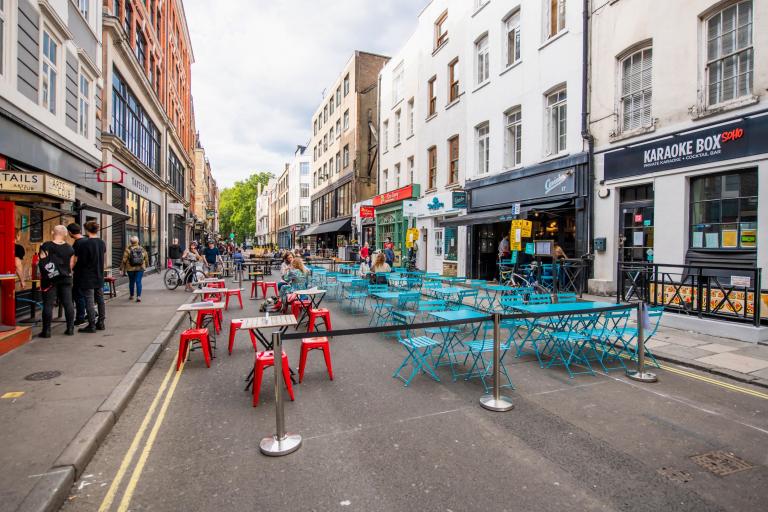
(525, 227)
(59, 188)
(737, 139)
(459, 199)
(210, 214)
(539, 186)
(36, 183)
(367, 212)
(175, 208)
(407, 192)
(516, 209)
(435, 204)
(741, 281)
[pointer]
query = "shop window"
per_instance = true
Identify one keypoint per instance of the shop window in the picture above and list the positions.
(438, 243)
(730, 54)
(724, 211)
(451, 244)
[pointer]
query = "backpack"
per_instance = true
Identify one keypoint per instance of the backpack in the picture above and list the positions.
(52, 269)
(136, 256)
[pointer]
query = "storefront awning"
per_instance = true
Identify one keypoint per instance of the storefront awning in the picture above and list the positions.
(502, 214)
(94, 204)
(330, 227)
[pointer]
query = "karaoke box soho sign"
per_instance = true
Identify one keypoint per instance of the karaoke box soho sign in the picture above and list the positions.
(744, 137)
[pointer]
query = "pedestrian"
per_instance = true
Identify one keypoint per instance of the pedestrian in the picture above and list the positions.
(212, 256)
(134, 263)
(57, 258)
(365, 253)
(389, 251)
(190, 259)
(75, 232)
(18, 258)
(174, 251)
(504, 252)
(89, 261)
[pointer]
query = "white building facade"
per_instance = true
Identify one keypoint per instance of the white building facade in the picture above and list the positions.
(678, 113)
(299, 186)
(262, 215)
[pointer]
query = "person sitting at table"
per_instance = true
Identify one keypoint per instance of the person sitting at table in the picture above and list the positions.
(285, 267)
(294, 279)
(380, 266)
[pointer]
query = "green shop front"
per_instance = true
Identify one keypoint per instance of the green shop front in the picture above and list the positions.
(391, 221)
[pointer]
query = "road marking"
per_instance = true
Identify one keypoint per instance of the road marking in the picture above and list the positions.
(13, 394)
(716, 382)
(126, 462)
(131, 487)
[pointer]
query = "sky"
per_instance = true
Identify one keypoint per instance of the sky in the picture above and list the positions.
(261, 67)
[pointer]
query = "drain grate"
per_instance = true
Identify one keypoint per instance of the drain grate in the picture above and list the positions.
(721, 463)
(676, 475)
(51, 374)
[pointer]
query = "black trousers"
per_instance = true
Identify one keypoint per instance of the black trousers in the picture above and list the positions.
(95, 307)
(62, 291)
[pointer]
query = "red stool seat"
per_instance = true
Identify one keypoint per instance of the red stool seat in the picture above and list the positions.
(233, 293)
(214, 314)
(185, 341)
(217, 284)
(320, 343)
(268, 286)
(298, 305)
(265, 360)
(255, 286)
(315, 314)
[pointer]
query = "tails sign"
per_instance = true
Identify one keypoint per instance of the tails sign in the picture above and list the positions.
(740, 138)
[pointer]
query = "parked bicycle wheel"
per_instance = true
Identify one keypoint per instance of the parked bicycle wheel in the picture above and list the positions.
(172, 278)
(197, 276)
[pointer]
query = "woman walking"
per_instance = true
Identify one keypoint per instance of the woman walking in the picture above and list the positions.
(135, 262)
(57, 258)
(190, 259)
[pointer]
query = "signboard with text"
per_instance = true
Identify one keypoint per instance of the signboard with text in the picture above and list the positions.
(406, 192)
(367, 212)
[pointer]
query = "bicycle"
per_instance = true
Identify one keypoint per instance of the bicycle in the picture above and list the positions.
(173, 277)
(508, 277)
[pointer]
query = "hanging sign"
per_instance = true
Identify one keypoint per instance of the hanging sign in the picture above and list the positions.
(367, 212)
(525, 227)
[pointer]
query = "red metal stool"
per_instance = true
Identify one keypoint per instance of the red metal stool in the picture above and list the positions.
(298, 305)
(315, 314)
(255, 286)
(265, 360)
(111, 283)
(233, 293)
(214, 314)
(185, 341)
(266, 286)
(218, 284)
(234, 325)
(308, 344)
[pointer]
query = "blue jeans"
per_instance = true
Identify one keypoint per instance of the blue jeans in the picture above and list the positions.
(134, 280)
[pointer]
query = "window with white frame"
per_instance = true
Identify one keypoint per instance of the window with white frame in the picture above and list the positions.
(304, 189)
(2, 37)
(346, 85)
(410, 117)
(338, 162)
(345, 156)
(397, 127)
(325, 114)
(338, 128)
(305, 214)
(513, 137)
(438, 243)
(636, 89)
(331, 107)
(385, 137)
(483, 144)
(346, 120)
(384, 179)
(730, 53)
(410, 169)
(84, 110)
(482, 60)
(83, 6)
(556, 121)
(512, 39)
(397, 84)
(554, 17)
(49, 73)
(330, 135)
(397, 175)
(338, 96)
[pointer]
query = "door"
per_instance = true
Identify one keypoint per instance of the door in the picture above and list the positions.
(635, 239)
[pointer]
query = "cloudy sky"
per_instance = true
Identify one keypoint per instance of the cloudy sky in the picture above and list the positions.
(261, 67)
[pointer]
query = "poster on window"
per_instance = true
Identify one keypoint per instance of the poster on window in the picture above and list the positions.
(637, 238)
(730, 238)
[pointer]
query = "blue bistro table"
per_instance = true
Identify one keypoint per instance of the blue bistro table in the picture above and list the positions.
(490, 294)
(449, 293)
(451, 337)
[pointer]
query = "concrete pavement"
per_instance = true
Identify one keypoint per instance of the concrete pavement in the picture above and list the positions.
(58, 423)
(189, 440)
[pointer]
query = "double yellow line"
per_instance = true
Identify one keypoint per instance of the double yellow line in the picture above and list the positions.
(130, 488)
(709, 380)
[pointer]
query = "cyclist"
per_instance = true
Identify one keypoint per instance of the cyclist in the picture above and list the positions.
(189, 259)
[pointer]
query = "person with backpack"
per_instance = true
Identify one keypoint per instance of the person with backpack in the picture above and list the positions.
(135, 262)
(57, 258)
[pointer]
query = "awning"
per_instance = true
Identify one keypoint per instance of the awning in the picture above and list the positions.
(330, 227)
(94, 204)
(309, 231)
(500, 215)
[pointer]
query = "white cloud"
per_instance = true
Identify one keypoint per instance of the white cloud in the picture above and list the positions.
(261, 66)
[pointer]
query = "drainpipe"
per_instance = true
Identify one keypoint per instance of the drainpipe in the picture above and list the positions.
(585, 133)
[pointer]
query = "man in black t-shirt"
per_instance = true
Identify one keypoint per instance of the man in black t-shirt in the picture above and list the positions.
(75, 232)
(18, 259)
(89, 268)
(57, 280)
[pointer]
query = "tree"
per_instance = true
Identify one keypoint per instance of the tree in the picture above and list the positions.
(237, 206)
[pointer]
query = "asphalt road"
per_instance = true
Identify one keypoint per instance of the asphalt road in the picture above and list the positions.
(190, 441)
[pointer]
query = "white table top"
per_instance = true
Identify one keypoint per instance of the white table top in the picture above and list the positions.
(211, 280)
(195, 306)
(263, 322)
(311, 291)
(211, 291)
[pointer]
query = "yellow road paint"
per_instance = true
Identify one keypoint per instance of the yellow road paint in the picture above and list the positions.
(110, 496)
(13, 394)
(131, 487)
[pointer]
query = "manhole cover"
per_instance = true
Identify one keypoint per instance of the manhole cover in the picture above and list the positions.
(676, 475)
(52, 374)
(721, 463)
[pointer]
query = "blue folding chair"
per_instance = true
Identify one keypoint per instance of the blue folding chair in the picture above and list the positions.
(629, 338)
(357, 295)
(539, 298)
(380, 309)
(606, 338)
(567, 298)
(419, 351)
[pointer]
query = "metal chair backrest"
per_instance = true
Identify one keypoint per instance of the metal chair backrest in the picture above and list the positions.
(509, 302)
(432, 305)
(377, 288)
(399, 318)
(566, 298)
(467, 294)
(539, 298)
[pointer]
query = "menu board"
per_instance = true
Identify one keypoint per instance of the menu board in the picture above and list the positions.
(36, 225)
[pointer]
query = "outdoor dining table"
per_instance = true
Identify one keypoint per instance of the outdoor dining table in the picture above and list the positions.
(315, 297)
(249, 265)
(449, 293)
(451, 336)
(490, 294)
(210, 280)
(192, 307)
(255, 325)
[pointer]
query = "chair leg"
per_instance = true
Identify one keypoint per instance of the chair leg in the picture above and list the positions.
(226, 302)
(327, 355)
(302, 361)
(205, 343)
(182, 353)
(258, 373)
(287, 378)
(240, 300)
(232, 332)
(254, 341)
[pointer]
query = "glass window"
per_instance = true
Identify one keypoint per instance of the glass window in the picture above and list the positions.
(132, 125)
(84, 111)
(482, 60)
(385, 137)
(410, 169)
(730, 55)
(513, 135)
(397, 176)
(338, 128)
(556, 121)
(304, 168)
(346, 85)
(439, 243)
(482, 134)
(554, 17)
(453, 80)
(384, 180)
(175, 173)
(512, 39)
(397, 84)
(141, 50)
(441, 32)
(410, 116)
(346, 119)
(432, 159)
(636, 90)
(304, 189)
(397, 127)
(2, 36)
(345, 156)
(453, 159)
(431, 98)
(50, 72)
(724, 211)
(451, 244)
(338, 96)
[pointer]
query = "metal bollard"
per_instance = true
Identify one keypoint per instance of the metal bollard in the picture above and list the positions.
(496, 402)
(640, 374)
(281, 443)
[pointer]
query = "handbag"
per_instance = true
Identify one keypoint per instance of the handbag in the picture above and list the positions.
(51, 269)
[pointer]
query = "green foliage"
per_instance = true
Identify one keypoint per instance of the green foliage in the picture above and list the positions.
(237, 207)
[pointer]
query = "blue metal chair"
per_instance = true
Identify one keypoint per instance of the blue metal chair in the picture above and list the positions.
(465, 298)
(567, 298)
(569, 341)
(482, 367)
(629, 338)
(539, 298)
(419, 351)
(357, 295)
(380, 309)
(606, 338)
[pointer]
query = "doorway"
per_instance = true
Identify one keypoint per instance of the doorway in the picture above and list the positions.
(636, 224)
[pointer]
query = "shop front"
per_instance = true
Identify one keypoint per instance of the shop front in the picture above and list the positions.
(439, 247)
(177, 225)
(391, 221)
(551, 195)
(688, 200)
(364, 214)
(329, 237)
